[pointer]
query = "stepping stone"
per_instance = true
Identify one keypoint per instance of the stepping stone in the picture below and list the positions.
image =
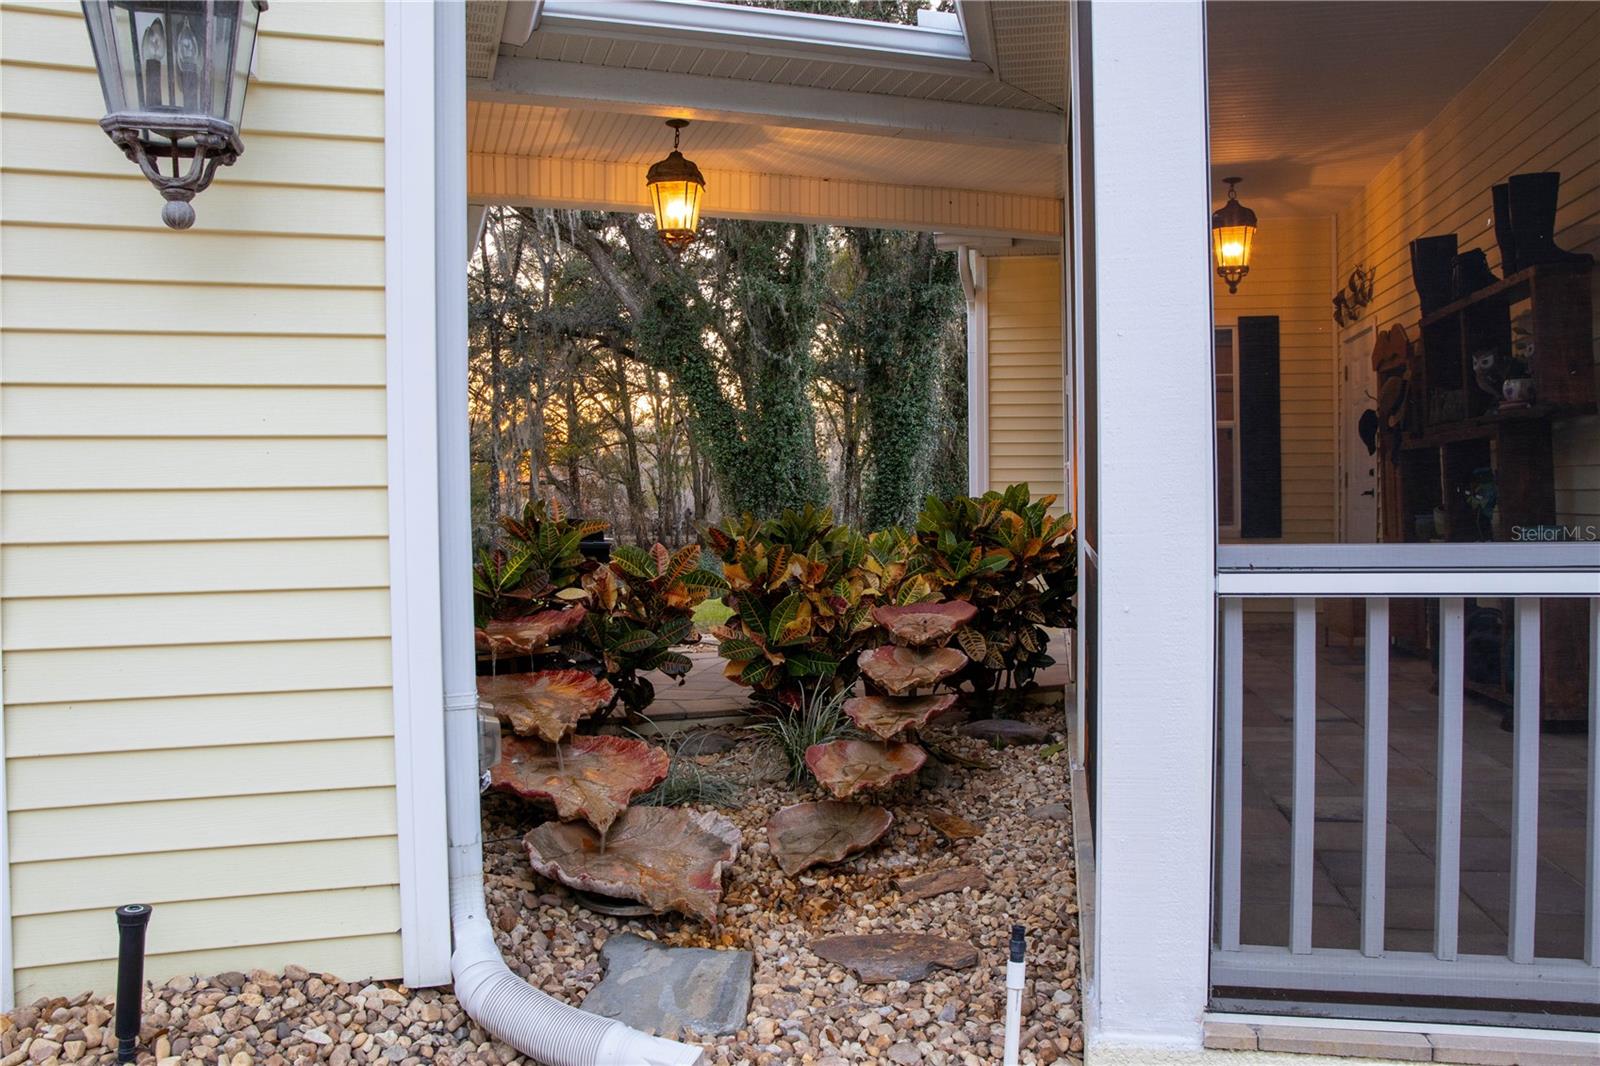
(953, 827)
(1052, 812)
(660, 989)
(937, 883)
(883, 957)
(1006, 731)
(707, 742)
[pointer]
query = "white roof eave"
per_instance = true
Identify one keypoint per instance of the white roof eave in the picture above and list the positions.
(766, 31)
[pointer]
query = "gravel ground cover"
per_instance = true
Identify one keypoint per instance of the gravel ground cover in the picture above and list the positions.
(803, 1010)
(809, 1012)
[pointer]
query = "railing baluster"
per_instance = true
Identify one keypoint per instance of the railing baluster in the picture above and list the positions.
(1375, 779)
(1447, 835)
(1525, 781)
(1232, 828)
(1303, 822)
(1591, 907)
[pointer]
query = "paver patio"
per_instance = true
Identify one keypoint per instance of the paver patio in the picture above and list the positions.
(1413, 727)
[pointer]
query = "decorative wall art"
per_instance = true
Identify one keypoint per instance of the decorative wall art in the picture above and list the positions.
(1354, 297)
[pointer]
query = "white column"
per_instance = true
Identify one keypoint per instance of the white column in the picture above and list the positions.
(1152, 282)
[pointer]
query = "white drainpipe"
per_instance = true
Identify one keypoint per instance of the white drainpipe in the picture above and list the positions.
(505, 1005)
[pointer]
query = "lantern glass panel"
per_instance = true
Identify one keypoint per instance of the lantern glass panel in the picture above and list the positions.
(1231, 246)
(234, 51)
(677, 205)
(166, 57)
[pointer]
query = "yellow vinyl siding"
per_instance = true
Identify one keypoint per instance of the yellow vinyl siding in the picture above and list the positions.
(1536, 107)
(1027, 424)
(193, 553)
(1290, 278)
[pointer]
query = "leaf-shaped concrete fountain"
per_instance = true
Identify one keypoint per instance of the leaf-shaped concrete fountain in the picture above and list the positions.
(899, 670)
(664, 857)
(845, 767)
(548, 704)
(535, 632)
(923, 624)
(886, 717)
(813, 834)
(592, 778)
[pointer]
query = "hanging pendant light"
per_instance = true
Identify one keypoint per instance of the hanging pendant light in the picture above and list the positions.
(1233, 231)
(676, 186)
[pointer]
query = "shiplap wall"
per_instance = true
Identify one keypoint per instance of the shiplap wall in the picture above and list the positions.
(194, 562)
(1291, 277)
(1026, 418)
(1536, 107)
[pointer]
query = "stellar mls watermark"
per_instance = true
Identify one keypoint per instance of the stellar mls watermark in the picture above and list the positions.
(1553, 533)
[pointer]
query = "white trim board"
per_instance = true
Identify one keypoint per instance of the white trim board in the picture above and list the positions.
(977, 268)
(1509, 1032)
(412, 272)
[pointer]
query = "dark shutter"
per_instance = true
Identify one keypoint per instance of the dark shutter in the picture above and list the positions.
(1260, 434)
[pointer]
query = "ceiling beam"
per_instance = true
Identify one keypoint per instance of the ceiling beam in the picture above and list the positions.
(532, 181)
(582, 86)
(765, 31)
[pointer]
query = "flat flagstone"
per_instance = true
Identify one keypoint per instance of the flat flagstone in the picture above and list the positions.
(1054, 812)
(938, 882)
(1005, 731)
(661, 989)
(883, 957)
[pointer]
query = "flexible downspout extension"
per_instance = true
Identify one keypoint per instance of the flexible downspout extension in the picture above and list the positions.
(497, 999)
(502, 1003)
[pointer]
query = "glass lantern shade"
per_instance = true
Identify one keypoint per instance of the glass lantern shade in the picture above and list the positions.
(174, 75)
(1233, 232)
(675, 187)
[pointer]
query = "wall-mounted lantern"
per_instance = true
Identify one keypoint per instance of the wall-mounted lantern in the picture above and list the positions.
(174, 74)
(676, 186)
(1233, 231)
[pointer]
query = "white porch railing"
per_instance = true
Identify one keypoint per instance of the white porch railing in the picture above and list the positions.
(1448, 574)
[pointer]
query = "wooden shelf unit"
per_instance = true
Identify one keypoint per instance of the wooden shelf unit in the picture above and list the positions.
(1454, 429)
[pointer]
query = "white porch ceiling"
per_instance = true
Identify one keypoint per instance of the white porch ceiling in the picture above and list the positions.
(1309, 99)
(805, 116)
(620, 137)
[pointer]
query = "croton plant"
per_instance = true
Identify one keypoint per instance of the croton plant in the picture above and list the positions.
(639, 608)
(1015, 563)
(801, 596)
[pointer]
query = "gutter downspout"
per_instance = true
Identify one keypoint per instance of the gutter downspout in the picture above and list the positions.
(502, 1003)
